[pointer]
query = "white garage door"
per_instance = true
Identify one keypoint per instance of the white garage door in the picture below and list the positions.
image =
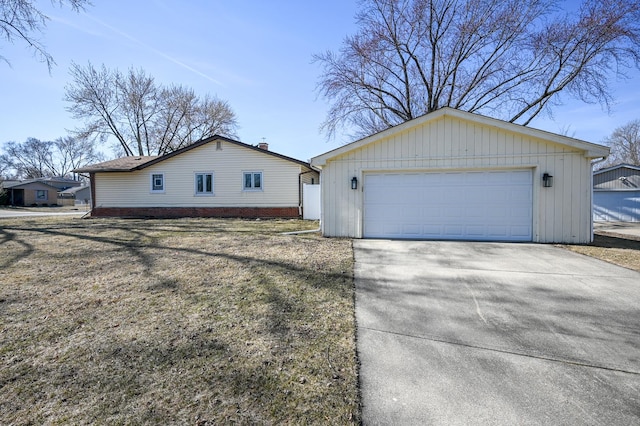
(482, 206)
(616, 206)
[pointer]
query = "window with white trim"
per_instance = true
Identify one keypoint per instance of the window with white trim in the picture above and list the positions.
(157, 182)
(252, 181)
(204, 183)
(41, 194)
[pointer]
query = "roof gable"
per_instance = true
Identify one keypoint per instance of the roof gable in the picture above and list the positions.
(619, 166)
(74, 189)
(25, 183)
(128, 164)
(591, 150)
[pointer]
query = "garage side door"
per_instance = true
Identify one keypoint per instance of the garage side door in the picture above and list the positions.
(481, 206)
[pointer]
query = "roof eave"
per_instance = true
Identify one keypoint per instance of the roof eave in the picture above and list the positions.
(617, 166)
(188, 148)
(591, 150)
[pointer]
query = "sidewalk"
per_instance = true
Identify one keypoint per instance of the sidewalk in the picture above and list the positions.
(9, 212)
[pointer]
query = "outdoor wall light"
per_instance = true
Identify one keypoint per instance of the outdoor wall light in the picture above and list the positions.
(547, 180)
(354, 183)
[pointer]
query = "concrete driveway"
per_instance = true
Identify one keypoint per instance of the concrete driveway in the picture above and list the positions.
(490, 333)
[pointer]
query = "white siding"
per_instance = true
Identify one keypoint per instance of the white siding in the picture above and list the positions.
(132, 189)
(561, 213)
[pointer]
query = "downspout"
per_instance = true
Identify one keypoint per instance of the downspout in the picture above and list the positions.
(593, 163)
(309, 231)
(92, 185)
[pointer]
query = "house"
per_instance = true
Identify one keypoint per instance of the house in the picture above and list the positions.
(616, 194)
(77, 195)
(31, 192)
(454, 175)
(61, 183)
(217, 177)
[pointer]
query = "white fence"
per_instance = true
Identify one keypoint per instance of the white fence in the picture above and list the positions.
(310, 202)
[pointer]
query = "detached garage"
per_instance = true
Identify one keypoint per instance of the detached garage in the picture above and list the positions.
(453, 175)
(616, 194)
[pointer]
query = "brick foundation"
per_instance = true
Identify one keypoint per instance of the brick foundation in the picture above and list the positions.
(169, 212)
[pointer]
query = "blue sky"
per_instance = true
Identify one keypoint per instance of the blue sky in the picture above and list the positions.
(255, 54)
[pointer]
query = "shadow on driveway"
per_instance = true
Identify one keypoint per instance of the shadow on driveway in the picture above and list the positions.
(491, 333)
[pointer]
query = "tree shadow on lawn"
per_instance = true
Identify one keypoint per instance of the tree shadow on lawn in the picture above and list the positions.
(240, 381)
(143, 239)
(613, 240)
(7, 237)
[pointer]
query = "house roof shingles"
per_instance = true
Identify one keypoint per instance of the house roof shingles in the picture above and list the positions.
(17, 184)
(124, 164)
(127, 164)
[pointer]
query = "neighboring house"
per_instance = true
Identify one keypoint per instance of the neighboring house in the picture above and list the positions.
(60, 182)
(455, 175)
(217, 177)
(616, 194)
(77, 195)
(30, 192)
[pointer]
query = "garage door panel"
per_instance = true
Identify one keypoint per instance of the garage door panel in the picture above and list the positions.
(431, 213)
(412, 229)
(431, 229)
(521, 195)
(520, 212)
(476, 231)
(454, 231)
(496, 195)
(476, 213)
(521, 231)
(487, 205)
(497, 231)
(413, 213)
(453, 212)
(496, 211)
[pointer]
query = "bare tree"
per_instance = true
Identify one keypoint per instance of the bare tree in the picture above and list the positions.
(625, 144)
(31, 159)
(506, 58)
(35, 158)
(72, 153)
(143, 117)
(5, 167)
(184, 118)
(21, 20)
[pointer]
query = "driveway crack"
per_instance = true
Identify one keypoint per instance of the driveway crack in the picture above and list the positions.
(438, 339)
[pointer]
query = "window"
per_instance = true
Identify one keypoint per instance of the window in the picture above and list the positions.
(41, 195)
(157, 182)
(204, 183)
(252, 181)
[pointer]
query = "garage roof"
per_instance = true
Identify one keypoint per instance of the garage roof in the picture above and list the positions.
(591, 150)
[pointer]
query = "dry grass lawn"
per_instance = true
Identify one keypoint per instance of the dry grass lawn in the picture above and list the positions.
(190, 321)
(622, 250)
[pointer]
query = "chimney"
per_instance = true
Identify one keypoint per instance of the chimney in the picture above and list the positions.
(263, 145)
